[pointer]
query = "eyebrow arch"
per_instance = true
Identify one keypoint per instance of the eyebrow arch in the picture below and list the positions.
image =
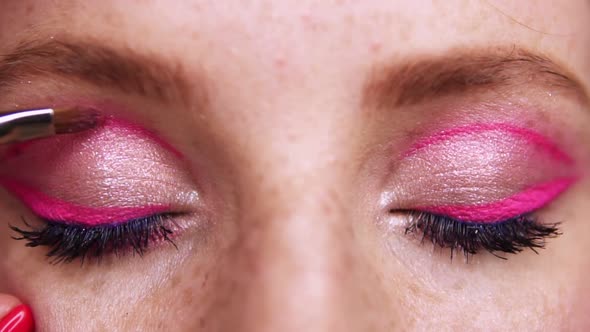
(464, 70)
(97, 64)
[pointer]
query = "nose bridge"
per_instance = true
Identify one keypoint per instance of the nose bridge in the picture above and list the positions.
(293, 265)
(293, 262)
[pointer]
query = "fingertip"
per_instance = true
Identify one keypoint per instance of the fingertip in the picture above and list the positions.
(7, 303)
(15, 316)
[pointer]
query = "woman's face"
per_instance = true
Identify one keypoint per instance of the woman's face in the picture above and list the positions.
(322, 165)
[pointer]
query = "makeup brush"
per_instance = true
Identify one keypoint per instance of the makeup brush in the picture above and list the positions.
(24, 125)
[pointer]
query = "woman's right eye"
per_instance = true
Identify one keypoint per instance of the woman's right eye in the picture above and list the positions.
(67, 242)
(113, 189)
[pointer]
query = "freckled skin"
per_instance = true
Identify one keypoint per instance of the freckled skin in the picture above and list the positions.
(294, 244)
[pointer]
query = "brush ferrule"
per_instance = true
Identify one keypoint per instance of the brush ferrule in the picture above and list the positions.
(26, 125)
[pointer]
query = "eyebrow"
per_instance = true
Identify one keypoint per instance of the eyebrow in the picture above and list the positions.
(389, 86)
(100, 65)
(461, 71)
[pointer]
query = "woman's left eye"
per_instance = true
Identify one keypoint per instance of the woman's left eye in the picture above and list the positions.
(507, 236)
(505, 226)
(480, 188)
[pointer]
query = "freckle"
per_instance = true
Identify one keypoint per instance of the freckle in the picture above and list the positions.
(97, 286)
(309, 22)
(529, 123)
(113, 20)
(327, 209)
(196, 6)
(187, 297)
(194, 35)
(280, 63)
(349, 19)
(175, 281)
(196, 271)
(29, 9)
(100, 326)
(376, 47)
(292, 137)
(274, 191)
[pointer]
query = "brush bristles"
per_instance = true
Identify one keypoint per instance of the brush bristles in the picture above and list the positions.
(75, 120)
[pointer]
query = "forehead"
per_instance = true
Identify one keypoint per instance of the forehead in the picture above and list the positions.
(288, 20)
(291, 42)
(287, 44)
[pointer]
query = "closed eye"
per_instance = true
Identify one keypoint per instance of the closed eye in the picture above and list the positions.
(510, 236)
(113, 190)
(67, 242)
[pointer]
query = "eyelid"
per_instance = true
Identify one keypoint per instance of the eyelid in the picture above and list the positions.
(527, 201)
(137, 130)
(481, 173)
(531, 137)
(57, 210)
(110, 175)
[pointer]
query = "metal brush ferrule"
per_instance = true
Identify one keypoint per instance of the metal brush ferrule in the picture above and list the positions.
(25, 125)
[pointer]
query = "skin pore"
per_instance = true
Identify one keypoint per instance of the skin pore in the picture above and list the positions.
(291, 117)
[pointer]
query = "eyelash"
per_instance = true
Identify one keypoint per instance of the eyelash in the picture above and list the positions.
(509, 236)
(68, 242)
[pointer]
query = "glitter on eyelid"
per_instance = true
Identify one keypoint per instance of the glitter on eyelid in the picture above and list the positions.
(481, 173)
(113, 174)
(535, 139)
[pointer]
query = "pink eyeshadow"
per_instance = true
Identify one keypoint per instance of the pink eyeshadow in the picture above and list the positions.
(524, 202)
(110, 124)
(53, 209)
(116, 123)
(541, 142)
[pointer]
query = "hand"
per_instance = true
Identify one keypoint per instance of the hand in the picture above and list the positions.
(15, 316)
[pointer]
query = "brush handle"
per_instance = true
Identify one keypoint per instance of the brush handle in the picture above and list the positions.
(26, 125)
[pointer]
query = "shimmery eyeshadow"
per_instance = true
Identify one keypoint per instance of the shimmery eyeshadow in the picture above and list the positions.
(533, 138)
(110, 123)
(134, 129)
(524, 202)
(50, 208)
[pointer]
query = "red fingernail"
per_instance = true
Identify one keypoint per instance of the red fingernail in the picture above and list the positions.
(20, 319)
